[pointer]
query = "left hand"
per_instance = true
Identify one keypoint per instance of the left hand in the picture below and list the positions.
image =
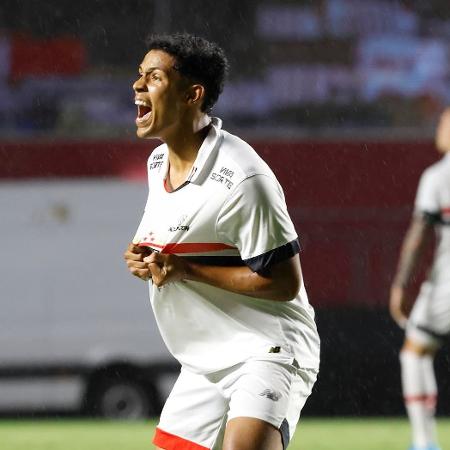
(166, 268)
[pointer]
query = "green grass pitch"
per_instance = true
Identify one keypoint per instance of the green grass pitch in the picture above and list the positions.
(312, 434)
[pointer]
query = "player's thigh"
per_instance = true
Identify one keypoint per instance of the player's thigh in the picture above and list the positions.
(248, 433)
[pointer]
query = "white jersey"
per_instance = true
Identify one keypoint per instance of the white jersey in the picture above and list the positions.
(433, 200)
(231, 211)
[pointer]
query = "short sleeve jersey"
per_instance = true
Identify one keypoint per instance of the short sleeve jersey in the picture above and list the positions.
(231, 211)
(433, 202)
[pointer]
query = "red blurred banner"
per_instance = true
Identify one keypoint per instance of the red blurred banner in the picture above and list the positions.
(44, 57)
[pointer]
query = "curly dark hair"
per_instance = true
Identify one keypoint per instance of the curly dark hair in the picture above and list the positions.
(197, 59)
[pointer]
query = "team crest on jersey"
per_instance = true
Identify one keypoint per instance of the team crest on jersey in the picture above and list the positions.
(149, 237)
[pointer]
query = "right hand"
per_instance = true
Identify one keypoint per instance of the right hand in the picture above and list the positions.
(134, 257)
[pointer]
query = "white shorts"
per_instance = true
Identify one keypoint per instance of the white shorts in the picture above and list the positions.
(429, 321)
(199, 406)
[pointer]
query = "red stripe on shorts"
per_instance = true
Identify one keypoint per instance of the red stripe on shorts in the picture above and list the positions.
(169, 441)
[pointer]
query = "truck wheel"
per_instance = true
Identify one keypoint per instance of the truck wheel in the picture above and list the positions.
(122, 399)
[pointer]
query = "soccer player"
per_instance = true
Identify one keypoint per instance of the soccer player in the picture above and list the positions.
(427, 321)
(222, 259)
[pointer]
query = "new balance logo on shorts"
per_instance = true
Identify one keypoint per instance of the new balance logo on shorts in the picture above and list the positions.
(272, 395)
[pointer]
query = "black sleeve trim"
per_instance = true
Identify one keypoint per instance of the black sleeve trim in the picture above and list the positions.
(263, 263)
(432, 218)
(285, 435)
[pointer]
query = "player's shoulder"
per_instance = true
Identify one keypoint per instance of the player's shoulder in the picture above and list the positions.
(242, 158)
(438, 172)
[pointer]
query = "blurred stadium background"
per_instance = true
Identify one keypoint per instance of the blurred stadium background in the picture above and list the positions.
(341, 97)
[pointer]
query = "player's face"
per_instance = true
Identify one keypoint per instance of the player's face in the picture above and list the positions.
(159, 96)
(443, 132)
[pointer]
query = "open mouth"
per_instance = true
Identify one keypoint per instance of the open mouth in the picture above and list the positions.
(144, 111)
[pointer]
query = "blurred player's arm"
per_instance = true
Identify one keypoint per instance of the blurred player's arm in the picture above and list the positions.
(281, 283)
(416, 241)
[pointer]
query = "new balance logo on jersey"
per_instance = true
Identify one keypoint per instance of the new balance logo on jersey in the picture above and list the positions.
(271, 395)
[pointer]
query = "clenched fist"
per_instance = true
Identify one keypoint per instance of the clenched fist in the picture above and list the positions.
(134, 257)
(166, 268)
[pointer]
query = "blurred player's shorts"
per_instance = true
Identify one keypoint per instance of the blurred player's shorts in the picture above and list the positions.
(429, 322)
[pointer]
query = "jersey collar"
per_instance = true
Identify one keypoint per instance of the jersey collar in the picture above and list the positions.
(206, 153)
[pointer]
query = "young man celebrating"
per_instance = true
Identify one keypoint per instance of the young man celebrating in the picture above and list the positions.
(429, 321)
(221, 254)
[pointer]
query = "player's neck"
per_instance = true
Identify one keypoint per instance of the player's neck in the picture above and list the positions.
(183, 147)
(186, 141)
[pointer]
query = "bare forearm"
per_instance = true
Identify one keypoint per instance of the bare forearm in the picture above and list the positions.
(282, 283)
(413, 248)
(242, 280)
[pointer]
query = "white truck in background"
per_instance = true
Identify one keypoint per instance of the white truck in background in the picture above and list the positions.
(77, 331)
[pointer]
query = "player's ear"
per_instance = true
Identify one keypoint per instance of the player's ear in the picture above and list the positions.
(195, 94)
